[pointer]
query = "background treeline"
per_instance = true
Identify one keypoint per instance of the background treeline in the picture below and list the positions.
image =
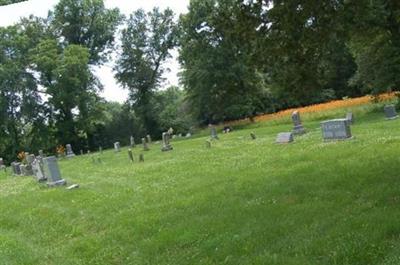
(238, 58)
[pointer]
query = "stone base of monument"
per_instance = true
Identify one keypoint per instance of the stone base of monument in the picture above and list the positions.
(60, 182)
(166, 148)
(299, 129)
(70, 155)
(391, 118)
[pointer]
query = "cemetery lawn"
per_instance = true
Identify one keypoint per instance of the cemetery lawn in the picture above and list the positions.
(240, 202)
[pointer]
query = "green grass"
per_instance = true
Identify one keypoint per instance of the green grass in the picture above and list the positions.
(240, 202)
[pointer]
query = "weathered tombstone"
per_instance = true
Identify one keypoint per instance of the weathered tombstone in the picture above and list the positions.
(208, 144)
(188, 135)
(24, 170)
(350, 117)
(338, 129)
(16, 168)
(117, 147)
(37, 167)
(141, 158)
(390, 112)
(30, 159)
(130, 154)
(253, 136)
(214, 134)
(41, 154)
(52, 172)
(180, 135)
(297, 125)
(165, 142)
(70, 153)
(132, 141)
(148, 138)
(145, 146)
(284, 138)
(100, 149)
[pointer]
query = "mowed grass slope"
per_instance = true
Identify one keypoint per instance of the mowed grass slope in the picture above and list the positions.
(240, 202)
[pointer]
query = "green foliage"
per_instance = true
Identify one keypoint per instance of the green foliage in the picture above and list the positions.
(9, 2)
(87, 23)
(146, 43)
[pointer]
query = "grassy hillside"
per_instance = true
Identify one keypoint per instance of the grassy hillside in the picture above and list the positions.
(240, 202)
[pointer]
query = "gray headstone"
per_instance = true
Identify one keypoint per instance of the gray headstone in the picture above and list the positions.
(37, 167)
(166, 146)
(284, 138)
(132, 141)
(30, 159)
(41, 154)
(70, 153)
(253, 136)
(148, 138)
(214, 134)
(145, 146)
(100, 149)
(52, 172)
(117, 147)
(338, 129)
(390, 112)
(130, 154)
(297, 125)
(15, 166)
(350, 117)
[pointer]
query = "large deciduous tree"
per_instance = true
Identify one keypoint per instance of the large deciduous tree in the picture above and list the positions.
(146, 42)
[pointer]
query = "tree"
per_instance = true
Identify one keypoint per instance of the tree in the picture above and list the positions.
(147, 40)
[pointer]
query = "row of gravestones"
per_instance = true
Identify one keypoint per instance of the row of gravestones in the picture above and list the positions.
(40, 167)
(335, 129)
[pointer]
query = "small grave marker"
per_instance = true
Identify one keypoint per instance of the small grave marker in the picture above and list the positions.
(165, 142)
(390, 112)
(297, 125)
(117, 147)
(70, 153)
(130, 154)
(284, 138)
(145, 146)
(52, 172)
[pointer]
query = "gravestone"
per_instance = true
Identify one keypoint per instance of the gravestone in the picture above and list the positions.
(117, 147)
(148, 138)
(132, 141)
(145, 146)
(16, 168)
(338, 129)
(30, 159)
(81, 152)
(70, 153)
(41, 154)
(37, 167)
(214, 134)
(188, 135)
(130, 154)
(165, 142)
(52, 172)
(208, 144)
(350, 117)
(297, 125)
(390, 112)
(141, 158)
(284, 138)
(24, 170)
(253, 136)
(100, 149)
